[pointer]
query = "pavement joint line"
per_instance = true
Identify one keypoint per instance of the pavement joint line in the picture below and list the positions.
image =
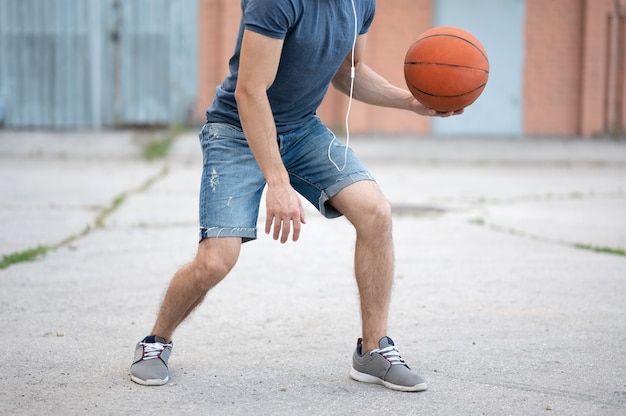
(32, 254)
(617, 251)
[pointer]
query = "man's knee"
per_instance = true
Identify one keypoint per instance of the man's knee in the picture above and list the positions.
(214, 260)
(374, 218)
(381, 215)
(365, 207)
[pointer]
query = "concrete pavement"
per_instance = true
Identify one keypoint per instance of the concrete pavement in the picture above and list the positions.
(509, 293)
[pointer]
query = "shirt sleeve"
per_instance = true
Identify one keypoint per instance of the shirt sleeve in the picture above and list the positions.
(369, 14)
(272, 18)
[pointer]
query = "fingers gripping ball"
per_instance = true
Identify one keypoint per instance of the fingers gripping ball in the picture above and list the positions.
(446, 68)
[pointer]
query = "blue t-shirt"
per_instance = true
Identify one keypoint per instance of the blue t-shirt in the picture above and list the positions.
(317, 34)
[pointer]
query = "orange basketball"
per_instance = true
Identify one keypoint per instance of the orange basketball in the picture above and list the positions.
(446, 69)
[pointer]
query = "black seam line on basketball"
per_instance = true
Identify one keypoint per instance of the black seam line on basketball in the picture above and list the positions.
(450, 65)
(458, 37)
(449, 96)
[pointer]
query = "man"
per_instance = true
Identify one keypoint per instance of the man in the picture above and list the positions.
(261, 132)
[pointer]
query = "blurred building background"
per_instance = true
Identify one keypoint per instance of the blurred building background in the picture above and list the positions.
(67, 64)
(557, 67)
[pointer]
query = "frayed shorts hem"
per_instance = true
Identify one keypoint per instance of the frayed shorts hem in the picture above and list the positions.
(246, 234)
(328, 210)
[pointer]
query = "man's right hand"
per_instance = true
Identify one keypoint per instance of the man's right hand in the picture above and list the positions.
(284, 211)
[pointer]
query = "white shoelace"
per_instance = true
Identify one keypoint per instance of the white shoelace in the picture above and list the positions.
(152, 350)
(391, 354)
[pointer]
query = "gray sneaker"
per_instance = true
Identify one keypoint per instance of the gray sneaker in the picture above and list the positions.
(384, 366)
(150, 365)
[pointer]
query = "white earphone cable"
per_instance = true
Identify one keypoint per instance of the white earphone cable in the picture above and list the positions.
(352, 76)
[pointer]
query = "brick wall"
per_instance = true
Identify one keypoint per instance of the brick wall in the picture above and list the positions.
(218, 24)
(571, 74)
(603, 66)
(552, 74)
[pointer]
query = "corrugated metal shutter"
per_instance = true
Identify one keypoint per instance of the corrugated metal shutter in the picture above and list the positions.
(97, 63)
(45, 59)
(158, 41)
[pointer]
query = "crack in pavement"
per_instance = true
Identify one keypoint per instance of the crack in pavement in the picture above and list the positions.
(39, 251)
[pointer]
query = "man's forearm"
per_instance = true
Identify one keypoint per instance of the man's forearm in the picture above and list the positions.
(260, 131)
(371, 88)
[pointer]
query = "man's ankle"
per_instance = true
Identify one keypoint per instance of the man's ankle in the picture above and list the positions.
(369, 344)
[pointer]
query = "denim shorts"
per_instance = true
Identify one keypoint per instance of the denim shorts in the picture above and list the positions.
(232, 182)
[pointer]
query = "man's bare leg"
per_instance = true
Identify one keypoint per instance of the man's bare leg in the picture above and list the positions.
(214, 260)
(366, 208)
